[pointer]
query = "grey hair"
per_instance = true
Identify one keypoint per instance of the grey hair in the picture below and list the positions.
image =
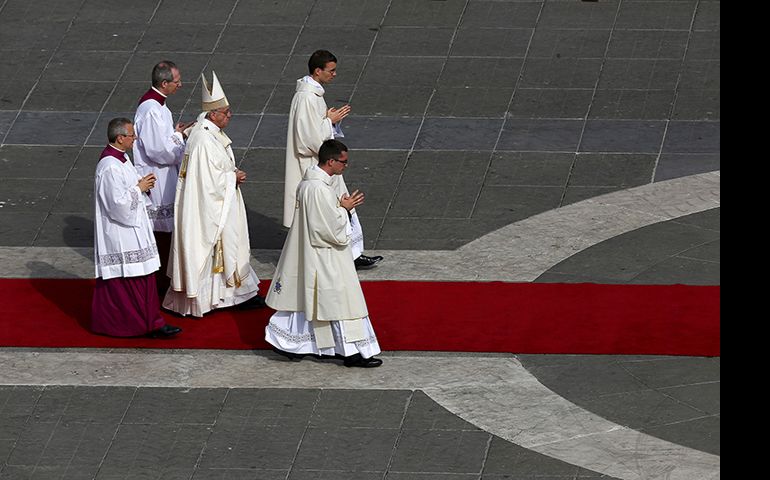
(163, 72)
(117, 126)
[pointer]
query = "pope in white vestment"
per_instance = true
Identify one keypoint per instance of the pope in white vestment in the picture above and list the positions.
(210, 247)
(320, 305)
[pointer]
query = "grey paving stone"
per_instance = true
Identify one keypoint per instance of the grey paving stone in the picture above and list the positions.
(709, 251)
(384, 409)
(458, 134)
(578, 15)
(45, 11)
(624, 170)
(622, 136)
(19, 228)
(160, 448)
(561, 73)
(583, 381)
(433, 234)
(239, 474)
(72, 445)
(241, 446)
(336, 13)
(501, 14)
(266, 39)
(14, 36)
(48, 162)
(291, 12)
(378, 197)
(190, 64)
(639, 74)
(675, 371)
(389, 133)
(632, 103)
(85, 66)
(704, 397)
(701, 74)
(550, 103)
(345, 449)
(398, 70)
(679, 270)
(51, 128)
(656, 15)
(248, 408)
(186, 38)
(517, 202)
(271, 132)
(574, 194)
(263, 198)
(190, 406)
(12, 97)
(414, 201)
(6, 120)
(692, 137)
(568, 42)
(529, 168)
(470, 102)
(692, 104)
(349, 68)
(540, 135)
(387, 100)
(17, 197)
(342, 41)
(98, 36)
(448, 168)
(701, 434)
(72, 230)
(171, 12)
(513, 461)
(672, 165)
(85, 164)
(431, 476)
(264, 164)
(707, 16)
(480, 72)
(654, 44)
(19, 70)
(98, 134)
(446, 451)
(92, 405)
(641, 410)
(76, 196)
(429, 14)
(704, 45)
(104, 11)
(491, 42)
(426, 414)
(407, 41)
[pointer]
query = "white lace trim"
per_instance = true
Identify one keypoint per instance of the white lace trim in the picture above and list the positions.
(134, 256)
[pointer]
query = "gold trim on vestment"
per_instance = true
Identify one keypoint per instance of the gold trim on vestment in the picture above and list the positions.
(209, 106)
(219, 258)
(183, 167)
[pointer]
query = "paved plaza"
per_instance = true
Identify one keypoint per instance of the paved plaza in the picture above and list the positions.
(555, 141)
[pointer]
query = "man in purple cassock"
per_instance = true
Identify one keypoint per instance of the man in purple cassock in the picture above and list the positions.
(125, 302)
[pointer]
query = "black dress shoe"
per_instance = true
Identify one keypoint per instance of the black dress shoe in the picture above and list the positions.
(294, 357)
(256, 301)
(166, 331)
(358, 361)
(363, 262)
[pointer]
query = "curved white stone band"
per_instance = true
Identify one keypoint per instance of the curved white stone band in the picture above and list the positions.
(497, 394)
(519, 252)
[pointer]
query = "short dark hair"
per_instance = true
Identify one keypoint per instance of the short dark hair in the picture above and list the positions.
(162, 72)
(319, 59)
(330, 149)
(117, 126)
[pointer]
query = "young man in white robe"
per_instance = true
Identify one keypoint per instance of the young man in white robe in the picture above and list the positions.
(159, 149)
(320, 306)
(310, 124)
(125, 301)
(210, 248)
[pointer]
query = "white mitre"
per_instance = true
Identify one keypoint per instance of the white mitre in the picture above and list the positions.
(213, 97)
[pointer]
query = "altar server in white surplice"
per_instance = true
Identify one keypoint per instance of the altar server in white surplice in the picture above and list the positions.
(159, 149)
(210, 243)
(310, 124)
(320, 306)
(125, 301)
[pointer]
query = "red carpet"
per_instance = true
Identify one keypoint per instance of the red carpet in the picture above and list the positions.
(462, 316)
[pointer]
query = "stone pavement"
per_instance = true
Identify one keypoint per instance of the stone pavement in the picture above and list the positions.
(531, 140)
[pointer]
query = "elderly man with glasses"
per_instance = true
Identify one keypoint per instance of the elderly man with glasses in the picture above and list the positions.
(210, 248)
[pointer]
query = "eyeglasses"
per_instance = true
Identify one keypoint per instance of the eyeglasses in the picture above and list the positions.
(177, 82)
(342, 161)
(127, 135)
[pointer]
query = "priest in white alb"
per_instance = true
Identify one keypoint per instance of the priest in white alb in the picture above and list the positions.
(125, 301)
(159, 149)
(310, 124)
(320, 306)
(210, 248)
